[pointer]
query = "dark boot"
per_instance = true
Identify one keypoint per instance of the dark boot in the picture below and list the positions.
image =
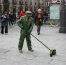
(31, 50)
(2, 29)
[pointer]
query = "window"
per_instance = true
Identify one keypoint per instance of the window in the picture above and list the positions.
(39, 4)
(26, 8)
(5, 1)
(26, 3)
(30, 3)
(14, 2)
(42, 4)
(30, 8)
(35, 3)
(20, 2)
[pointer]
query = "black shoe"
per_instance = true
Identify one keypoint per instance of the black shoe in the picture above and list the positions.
(38, 33)
(31, 50)
(6, 33)
(20, 51)
(2, 32)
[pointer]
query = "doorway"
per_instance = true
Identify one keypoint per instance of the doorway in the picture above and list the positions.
(6, 5)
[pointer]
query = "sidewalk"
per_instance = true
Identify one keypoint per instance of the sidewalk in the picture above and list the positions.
(9, 54)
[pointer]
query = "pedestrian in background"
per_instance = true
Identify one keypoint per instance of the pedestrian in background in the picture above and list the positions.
(10, 18)
(0, 18)
(45, 14)
(38, 20)
(4, 23)
(14, 18)
(26, 25)
(22, 13)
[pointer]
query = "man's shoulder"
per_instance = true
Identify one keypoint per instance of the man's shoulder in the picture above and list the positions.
(22, 17)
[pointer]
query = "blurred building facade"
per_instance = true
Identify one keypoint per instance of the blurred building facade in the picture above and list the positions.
(17, 5)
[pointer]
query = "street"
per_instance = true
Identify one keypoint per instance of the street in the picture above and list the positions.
(9, 54)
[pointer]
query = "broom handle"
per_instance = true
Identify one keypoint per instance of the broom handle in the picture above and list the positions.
(41, 42)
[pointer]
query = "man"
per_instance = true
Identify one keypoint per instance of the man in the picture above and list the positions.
(38, 20)
(4, 23)
(26, 25)
(22, 13)
(10, 18)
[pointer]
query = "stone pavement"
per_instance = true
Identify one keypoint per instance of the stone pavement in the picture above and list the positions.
(50, 36)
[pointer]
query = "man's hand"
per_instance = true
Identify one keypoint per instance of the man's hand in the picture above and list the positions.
(28, 32)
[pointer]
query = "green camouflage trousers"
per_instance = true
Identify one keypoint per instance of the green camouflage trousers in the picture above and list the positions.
(21, 41)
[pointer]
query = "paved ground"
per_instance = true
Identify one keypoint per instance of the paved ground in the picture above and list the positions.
(50, 36)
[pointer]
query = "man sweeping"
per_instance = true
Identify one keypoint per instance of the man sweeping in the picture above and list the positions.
(26, 25)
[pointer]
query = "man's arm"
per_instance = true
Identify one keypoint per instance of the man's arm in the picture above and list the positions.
(31, 26)
(19, 22)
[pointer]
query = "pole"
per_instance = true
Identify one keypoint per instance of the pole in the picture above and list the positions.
(41, 42)
(60, 5)
(62, 28)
